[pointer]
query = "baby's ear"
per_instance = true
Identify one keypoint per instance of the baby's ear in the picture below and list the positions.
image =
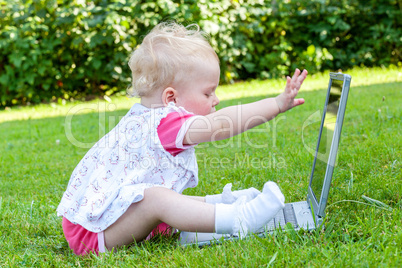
(169, 95)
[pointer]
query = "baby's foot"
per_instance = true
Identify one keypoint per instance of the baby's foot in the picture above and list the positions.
(243, 217)
(256, 213)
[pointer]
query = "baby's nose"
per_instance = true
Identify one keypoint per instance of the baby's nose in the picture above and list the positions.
(216, 101)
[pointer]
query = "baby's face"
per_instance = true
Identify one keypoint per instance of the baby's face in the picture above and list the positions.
(197, 92)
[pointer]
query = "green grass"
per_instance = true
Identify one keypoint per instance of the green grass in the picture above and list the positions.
(35, 170)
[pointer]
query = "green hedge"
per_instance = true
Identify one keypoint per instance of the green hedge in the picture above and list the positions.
(78, 48)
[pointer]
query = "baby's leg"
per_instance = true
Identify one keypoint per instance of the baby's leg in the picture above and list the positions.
(160, 205)
(188, 214)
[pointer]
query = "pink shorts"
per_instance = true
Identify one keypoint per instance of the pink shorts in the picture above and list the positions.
(82, 241)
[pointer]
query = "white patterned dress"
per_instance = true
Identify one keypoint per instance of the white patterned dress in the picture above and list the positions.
(118, 168)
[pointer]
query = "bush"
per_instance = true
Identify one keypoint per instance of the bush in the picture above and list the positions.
(75, 49)
(258, 40)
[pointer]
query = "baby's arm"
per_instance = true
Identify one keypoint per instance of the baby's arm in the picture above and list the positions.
(233, 120)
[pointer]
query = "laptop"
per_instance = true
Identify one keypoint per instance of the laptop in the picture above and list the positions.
(308, 214)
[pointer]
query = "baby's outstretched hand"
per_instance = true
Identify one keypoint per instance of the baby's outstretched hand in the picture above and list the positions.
(286, 100)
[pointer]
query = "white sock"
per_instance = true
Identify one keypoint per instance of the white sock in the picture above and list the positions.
(229, 197)
(244, 217)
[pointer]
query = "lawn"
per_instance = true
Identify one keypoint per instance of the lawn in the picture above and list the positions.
(41, 145)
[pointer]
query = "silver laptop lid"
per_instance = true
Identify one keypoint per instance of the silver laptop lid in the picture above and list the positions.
(328, 141)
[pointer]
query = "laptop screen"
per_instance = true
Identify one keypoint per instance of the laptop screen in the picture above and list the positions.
(326, 137)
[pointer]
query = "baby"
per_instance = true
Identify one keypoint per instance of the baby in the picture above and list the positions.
(129, 184)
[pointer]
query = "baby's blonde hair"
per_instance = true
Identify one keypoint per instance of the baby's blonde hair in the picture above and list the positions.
(166, 56)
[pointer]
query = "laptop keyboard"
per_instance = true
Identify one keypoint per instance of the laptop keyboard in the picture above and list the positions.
(282, 218)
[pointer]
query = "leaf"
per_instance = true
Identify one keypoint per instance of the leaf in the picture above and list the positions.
(96, 63)
(125, 24)
(30, 78)
(16, 59)
(4, 79)
(310, 50)
(41, 70)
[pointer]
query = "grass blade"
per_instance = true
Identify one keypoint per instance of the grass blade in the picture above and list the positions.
(272, 259)
(377, 203)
